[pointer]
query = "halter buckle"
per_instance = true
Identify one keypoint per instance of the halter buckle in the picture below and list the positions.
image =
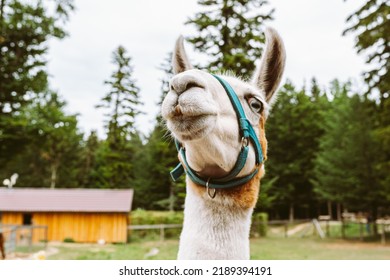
(244, 142)
(212, 196)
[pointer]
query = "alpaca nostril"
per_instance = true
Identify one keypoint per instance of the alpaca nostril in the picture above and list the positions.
(192, 84)
(181, 85)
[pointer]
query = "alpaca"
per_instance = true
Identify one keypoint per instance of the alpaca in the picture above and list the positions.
(221, 150)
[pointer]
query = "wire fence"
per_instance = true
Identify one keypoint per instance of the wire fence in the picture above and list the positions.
(345, 229)
(353, 230)
(20, 239)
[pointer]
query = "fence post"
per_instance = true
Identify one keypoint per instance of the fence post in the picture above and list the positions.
(327, 228)
(361, 231)
(162, 233)
(383, 239)
(342, 229)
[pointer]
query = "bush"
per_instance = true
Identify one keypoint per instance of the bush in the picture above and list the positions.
(259, 224)
(69, 240)
(143, 217)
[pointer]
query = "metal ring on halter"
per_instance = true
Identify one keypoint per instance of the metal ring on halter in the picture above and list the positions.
(244, 141)
(212, 196)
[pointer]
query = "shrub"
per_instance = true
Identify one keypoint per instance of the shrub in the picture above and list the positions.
(69, 240)
(143, 217)
(259, 224)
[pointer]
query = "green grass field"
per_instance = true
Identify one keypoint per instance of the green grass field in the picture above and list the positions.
(261, 248)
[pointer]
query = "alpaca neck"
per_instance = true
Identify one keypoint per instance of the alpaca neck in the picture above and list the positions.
(214, 228)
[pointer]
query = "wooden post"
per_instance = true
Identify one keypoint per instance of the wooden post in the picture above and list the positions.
(342, 229)
(327, 228)
(162, 233)
(383, 239)
(361, 231)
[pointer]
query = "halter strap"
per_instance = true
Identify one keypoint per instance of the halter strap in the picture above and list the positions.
(247, 134)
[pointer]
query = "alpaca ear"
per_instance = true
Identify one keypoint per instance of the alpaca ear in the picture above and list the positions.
(270, 70)
(180, 61)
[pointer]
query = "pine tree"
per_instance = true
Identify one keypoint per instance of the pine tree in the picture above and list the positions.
(122, 99)
(52, 156)
(371, 25)
(161, 192)
(347, 163)
(293, 134)
(25, 28)
(88, 170)
(230, 33)
(115, 156)
(332, 164)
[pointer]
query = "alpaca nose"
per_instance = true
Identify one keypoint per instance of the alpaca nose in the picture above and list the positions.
(182, 83)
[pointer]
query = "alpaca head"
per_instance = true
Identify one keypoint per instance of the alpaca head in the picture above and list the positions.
(200, 115)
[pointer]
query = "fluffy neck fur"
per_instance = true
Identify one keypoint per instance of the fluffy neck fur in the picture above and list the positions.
(218, 228)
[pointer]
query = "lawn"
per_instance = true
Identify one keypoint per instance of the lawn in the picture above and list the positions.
(261, 248)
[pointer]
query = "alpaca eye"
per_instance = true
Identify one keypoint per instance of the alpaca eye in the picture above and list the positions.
(255, 104)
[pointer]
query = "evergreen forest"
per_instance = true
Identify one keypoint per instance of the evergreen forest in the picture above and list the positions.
(329, 146)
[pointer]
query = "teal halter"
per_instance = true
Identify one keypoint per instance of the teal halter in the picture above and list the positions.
(247, 134)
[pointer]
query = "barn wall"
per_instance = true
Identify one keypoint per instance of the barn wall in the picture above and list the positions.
(11, 218)
(83, 227)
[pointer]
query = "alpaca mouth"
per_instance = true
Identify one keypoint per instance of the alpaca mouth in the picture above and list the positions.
(188, 128)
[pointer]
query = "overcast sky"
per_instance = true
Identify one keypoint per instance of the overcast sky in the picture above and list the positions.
(79, 64)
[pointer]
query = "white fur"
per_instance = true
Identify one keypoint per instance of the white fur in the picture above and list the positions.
(214, 229)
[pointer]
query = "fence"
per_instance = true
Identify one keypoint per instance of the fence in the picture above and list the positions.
(363, 231)
(345, 229)
(9, 235)
(161, 228)
(164, 231)
(23, 238)
(282, 229)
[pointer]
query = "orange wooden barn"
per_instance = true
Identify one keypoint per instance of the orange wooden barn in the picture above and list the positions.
(81, 215)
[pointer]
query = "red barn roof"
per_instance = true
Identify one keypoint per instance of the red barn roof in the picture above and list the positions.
(65, 200)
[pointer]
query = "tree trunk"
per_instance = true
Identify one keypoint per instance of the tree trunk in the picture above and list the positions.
(53, 179)
(2, 5)
(338, 211)
(374, 218)
(330, 209)
(291, 214)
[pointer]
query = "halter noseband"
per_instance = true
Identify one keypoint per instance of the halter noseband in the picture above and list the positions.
(247, 134)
